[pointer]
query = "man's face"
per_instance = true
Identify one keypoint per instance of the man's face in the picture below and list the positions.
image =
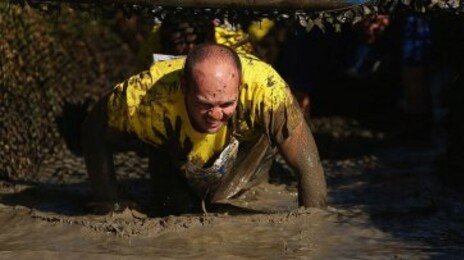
(211, 96)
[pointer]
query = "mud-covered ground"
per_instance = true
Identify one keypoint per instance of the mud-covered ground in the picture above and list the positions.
(384, 201)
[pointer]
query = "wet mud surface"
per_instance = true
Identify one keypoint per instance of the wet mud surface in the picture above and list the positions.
(384, 201)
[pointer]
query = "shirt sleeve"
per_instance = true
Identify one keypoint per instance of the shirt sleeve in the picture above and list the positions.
(282, 118)
(278, 112)
(125, 98)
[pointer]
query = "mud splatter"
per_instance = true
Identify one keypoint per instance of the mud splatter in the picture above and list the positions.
(270, 82)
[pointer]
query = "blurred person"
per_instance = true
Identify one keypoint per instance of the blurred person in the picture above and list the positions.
(177, 36)
(415, 59)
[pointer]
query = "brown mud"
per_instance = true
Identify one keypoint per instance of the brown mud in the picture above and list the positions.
(384, 201)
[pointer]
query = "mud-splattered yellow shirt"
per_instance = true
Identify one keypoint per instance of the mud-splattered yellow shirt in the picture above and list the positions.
(151, 106)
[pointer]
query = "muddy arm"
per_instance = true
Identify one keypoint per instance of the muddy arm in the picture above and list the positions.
(98, 153)
(300, 152)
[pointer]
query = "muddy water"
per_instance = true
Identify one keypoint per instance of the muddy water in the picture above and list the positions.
(307, 233)
(384, 202)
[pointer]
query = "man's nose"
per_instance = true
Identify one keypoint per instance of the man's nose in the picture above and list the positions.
(215, 113)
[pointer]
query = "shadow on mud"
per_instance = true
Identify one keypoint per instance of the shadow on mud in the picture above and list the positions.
(76, 199)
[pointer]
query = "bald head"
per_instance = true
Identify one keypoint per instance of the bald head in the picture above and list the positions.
(211, 54)
(211, 86)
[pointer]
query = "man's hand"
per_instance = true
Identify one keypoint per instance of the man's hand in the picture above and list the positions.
(300, 152)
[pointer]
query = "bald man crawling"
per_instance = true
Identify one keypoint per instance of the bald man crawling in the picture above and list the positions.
(213, 121)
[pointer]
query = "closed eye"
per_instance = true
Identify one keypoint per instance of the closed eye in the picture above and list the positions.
(227, 104)
(205, 105)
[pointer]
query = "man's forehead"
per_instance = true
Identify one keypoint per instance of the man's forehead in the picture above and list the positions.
(219, 93)
(210, 98)
(205, 90)
(215, 76)
(213, 65)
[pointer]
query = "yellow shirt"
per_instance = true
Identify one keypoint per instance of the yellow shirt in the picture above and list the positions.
(151, 106)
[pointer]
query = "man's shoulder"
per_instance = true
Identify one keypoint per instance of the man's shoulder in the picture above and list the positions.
(259, 75)
(167, 71)
(168, 65)
(159, 83)
(249, 61)
(163, 77)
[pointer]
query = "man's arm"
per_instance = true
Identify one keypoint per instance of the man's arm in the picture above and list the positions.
(300, 152)
(98, 153)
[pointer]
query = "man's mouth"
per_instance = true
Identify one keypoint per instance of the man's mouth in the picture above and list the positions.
(214, 124)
